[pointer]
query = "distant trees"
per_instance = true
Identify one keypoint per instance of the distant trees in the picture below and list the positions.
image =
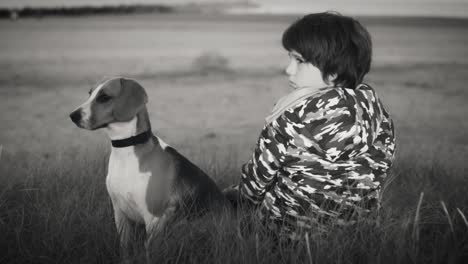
(7, 13)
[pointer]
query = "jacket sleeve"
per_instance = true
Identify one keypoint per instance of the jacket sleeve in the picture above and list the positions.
(259, 173)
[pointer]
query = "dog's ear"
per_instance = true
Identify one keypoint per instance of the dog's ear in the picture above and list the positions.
(131, 100)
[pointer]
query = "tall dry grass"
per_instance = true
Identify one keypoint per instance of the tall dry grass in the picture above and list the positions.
(57, 210)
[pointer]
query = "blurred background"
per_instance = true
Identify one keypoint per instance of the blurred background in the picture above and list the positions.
(213, 69)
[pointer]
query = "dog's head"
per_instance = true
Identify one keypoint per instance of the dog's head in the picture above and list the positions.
(114, 100)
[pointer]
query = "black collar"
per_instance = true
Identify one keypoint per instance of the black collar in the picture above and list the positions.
(131, 141)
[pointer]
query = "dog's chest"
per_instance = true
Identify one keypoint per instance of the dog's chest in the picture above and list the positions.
(127, 186)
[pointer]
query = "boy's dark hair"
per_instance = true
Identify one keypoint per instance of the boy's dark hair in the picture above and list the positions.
(336, 44)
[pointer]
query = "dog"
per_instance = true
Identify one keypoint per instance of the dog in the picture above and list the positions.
(148, 181)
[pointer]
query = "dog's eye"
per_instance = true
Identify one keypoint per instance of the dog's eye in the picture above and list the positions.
(103, 98)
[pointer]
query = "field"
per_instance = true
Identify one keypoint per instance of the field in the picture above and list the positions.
(211, 80)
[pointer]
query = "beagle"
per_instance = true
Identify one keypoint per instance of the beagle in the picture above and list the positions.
(148, 181)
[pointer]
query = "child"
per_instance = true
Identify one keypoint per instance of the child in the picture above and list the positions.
(327, 146)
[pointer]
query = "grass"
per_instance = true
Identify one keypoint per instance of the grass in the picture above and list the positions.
(54, 207)
(58, 211)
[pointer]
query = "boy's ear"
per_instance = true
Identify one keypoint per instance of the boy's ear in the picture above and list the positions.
(131, 100)
(331, 79)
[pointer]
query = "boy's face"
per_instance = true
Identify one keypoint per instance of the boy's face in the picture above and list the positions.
(303, 74)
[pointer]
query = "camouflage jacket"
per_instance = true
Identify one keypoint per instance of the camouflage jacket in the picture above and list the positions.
(324, 158)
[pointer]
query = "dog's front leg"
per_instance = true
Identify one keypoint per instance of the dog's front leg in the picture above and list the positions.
(126, 231)
(155, 227)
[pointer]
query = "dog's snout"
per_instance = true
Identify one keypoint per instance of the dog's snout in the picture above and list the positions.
(75, 116)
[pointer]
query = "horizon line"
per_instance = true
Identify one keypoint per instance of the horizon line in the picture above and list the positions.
(178, 8)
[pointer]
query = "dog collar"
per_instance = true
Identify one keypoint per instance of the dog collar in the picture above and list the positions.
(131, 141)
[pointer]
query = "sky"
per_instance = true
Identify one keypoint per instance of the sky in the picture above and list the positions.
(439, 8)
(446, 8)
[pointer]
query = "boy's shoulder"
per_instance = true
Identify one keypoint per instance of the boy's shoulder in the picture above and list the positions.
(322, 100)
(365, 92)
(332, 97)
(325, 98)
